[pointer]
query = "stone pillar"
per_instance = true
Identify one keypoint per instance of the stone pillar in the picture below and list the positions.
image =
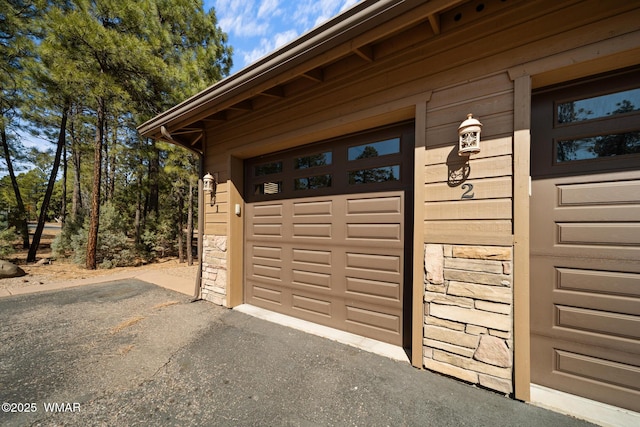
(214, 269)
(468, 324)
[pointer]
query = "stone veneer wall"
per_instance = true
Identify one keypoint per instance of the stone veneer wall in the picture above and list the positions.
(468, 323)
(214, 269)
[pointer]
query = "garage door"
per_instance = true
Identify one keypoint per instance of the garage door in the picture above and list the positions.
(325, 234)
(585, 240)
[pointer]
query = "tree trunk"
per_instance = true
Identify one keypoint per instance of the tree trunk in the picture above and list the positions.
(92, 238)
(180, 227)
(31, 257)
(63, 207)
(190, 225)
(137, 222)
(76, 198)
(111, 188)
(23, 225)
(154, 168)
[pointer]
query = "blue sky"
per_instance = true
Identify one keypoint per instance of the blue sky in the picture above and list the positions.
(258, 27)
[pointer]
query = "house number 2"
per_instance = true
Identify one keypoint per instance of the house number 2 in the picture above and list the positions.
(469, 193)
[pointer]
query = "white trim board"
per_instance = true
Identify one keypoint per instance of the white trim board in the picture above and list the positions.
(582, 408)
(366, 344)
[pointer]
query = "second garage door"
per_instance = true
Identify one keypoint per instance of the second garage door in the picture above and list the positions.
(585, 240)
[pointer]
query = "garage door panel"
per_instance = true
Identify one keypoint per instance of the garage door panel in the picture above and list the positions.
(267, 272)
(313, 279)
(361, 318)
(374, 262)
(316, 306)
(374, 206)
(312, 257)
(600, 370)
(600, 213)
(596, 301)
(601, 234)
(598, 193)
(375, 289)
(597, 281)
(267, 294)
(595, 373)
(614, 325)
(267, 252)
(270, 210)
(313, 231)
(369, 231)
(269, 231)
(315, 208)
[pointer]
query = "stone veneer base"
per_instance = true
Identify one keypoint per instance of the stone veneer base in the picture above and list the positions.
(468, 322)
(214, 269)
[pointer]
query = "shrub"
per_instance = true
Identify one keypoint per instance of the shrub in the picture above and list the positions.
(158, 237)
(7, 238)
(114, 248)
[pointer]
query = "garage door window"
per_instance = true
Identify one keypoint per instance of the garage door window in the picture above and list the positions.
(599, 106)
(588, 132)
(366, 162)
(376, 149)
(312, 161)
(618, 144)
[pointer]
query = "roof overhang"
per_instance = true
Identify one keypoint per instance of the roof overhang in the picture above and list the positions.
(346, 34)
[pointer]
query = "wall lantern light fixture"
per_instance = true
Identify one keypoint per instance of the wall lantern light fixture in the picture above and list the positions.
(210, 187)
(469, 136)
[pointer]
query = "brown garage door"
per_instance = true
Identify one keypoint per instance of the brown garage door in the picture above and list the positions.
(585, 240)
(325, 238)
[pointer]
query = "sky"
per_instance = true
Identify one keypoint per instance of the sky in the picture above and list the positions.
(258, 27)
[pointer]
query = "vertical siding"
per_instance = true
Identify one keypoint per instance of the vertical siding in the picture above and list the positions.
(487, 217)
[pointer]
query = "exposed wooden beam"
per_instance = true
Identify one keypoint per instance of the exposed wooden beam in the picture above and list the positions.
(274, 92)
(220, 116)
(198, 138)
(246, 105)
(316, 75)
(434, 20)
(186, 130)
(364, 52)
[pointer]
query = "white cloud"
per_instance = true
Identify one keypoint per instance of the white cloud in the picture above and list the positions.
(347, 4)
(268, 45)
(257, 27)
(269, 8)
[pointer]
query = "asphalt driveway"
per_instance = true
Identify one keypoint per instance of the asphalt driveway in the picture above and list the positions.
(129, 353)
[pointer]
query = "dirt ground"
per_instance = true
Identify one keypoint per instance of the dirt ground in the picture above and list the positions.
(48, 270)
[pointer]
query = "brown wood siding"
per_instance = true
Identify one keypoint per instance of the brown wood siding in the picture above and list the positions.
(464, 77)
(485, 218)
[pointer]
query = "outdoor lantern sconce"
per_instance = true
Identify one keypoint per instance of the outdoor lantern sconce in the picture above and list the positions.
(210, 186)
(469, 136)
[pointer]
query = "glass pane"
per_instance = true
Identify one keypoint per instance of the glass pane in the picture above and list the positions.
(268, 188)
(320, 159)
(383, 174)
(598, 146)
(268, 168)
(312, 183)
(375, 149)
(599, 106)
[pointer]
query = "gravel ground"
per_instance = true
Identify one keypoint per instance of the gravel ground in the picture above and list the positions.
(65, 271)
